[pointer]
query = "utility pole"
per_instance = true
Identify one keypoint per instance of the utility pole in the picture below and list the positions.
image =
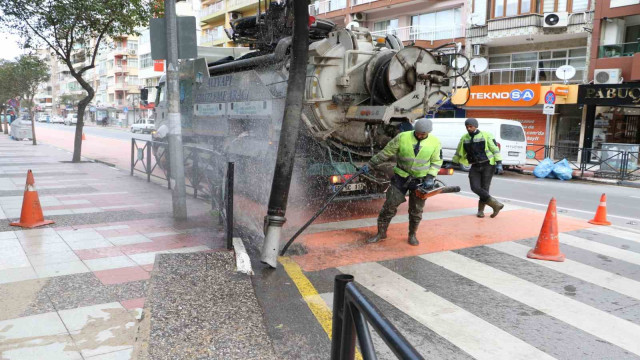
(176, 158)
(275, 218)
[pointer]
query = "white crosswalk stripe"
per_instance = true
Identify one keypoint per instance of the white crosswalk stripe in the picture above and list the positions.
(608, 327)
(602, 249)
(578, 270)
(475, 336)
(622, 234)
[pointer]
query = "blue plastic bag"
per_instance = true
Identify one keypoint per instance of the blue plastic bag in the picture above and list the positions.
(562, 170)
(544, 168)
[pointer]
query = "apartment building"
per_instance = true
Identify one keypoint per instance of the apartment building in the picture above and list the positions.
(427, 23)
(216, 15)
(516, 48)
(612, 99)
(46, 98)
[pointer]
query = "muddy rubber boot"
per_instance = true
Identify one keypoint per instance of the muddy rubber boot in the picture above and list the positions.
(481, 205)
(495, 205)
(413, 240)
(381, 235)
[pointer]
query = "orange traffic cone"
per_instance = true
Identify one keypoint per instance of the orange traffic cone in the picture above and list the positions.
(601, 213)
(83, 137)
(548, 247)
(31, 215)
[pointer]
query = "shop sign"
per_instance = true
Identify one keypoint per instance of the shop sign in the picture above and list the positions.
(609, 94)
(518, 95)
(562, 91)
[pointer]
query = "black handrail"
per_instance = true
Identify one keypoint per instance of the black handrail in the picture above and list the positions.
(352, 314)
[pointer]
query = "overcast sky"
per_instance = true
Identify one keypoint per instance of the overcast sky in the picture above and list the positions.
(9, 48)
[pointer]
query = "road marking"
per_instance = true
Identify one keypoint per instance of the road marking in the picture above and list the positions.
(605, 279)
(622, 234)
(310, 295)
(562, 208)
(478, 338)
(610, 328)
(602, 249)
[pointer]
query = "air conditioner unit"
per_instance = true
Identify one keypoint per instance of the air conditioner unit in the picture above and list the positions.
(235, 15)
(607, 76)
(132, 51)
(556, 19)
(480, 50)
(359, 16)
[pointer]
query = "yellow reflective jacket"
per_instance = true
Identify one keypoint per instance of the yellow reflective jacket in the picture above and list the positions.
(482, 141)
(427, 162)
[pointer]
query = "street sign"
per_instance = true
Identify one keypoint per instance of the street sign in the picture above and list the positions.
(187, 41)
(549, 109)
(549, 97)
(125, 110)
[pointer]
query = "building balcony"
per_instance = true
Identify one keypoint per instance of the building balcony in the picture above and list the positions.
(121, 86)
(414, 33)
(618, 50)
(212, 12)
(361, 2)
(326, 6)
(240, 4)
(215, 36)
(120, 69)
(523, 75)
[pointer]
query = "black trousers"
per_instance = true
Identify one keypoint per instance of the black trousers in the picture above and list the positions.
(480, 177)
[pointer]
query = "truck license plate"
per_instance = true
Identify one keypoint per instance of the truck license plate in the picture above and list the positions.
(354, 187)
(513, 153)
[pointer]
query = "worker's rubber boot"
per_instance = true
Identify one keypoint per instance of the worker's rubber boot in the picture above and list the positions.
(413, 240)
(481, 205)
(495, 205)
(381, 235)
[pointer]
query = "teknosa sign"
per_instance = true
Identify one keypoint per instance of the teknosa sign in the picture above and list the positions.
(504, 95)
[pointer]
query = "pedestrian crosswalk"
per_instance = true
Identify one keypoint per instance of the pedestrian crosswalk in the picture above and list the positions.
(492, 302)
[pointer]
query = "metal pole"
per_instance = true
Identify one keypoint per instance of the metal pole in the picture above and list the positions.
(229, 204)
(288, 134)
(547, 137)
(133, 149)
(339, 285)
(176, 158)
(148, 161)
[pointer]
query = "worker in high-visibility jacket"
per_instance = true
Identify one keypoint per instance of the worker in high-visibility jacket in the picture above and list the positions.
(480, 149)
(418, 160)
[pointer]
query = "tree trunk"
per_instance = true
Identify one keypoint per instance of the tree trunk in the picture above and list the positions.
(6, 122)
(82, 105)
(33, 124)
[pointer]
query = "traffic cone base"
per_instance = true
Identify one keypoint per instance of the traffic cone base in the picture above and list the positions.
(83, 137)
(31, 215)
(548, 246)
(601, 213)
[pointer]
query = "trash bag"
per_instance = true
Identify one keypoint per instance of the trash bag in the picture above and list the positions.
(562, 170)
(544, 168)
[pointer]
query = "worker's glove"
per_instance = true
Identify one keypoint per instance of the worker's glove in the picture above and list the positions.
(429, 182)
(499, 169)
(365, 169)
(448, 165)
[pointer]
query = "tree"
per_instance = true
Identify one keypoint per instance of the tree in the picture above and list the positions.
(8, 88)
(75, 27)
(32, 72)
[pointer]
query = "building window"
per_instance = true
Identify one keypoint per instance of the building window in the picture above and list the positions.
(446, 24)
(132, 63)
(533, 67)
(388, 26)
(145, 61)
(508, 8)
(579, 5)
(132, 80)
(132, 45)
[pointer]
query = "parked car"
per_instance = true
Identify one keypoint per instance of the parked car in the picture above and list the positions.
(509, 135)
(145, 126)
(42, 117)
(71, 119)
(57, 119)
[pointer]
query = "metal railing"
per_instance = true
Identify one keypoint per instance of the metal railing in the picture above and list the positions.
(212, 9)
(352, 314)
(214, 35)
(205, 175)
(604, 163)
(408, 33)
(323, 7)
(523, 75)
(361, 2)
(618, 50)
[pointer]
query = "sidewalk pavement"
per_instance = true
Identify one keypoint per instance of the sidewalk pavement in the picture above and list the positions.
(75, 289)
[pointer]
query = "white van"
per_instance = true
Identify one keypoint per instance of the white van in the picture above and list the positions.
(509, 135)
(71, 119)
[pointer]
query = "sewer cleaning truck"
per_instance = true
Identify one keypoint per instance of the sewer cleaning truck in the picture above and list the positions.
(361, 90)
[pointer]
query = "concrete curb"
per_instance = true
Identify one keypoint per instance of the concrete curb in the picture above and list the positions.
(598, 180)
(243, 262)
(629, 183)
